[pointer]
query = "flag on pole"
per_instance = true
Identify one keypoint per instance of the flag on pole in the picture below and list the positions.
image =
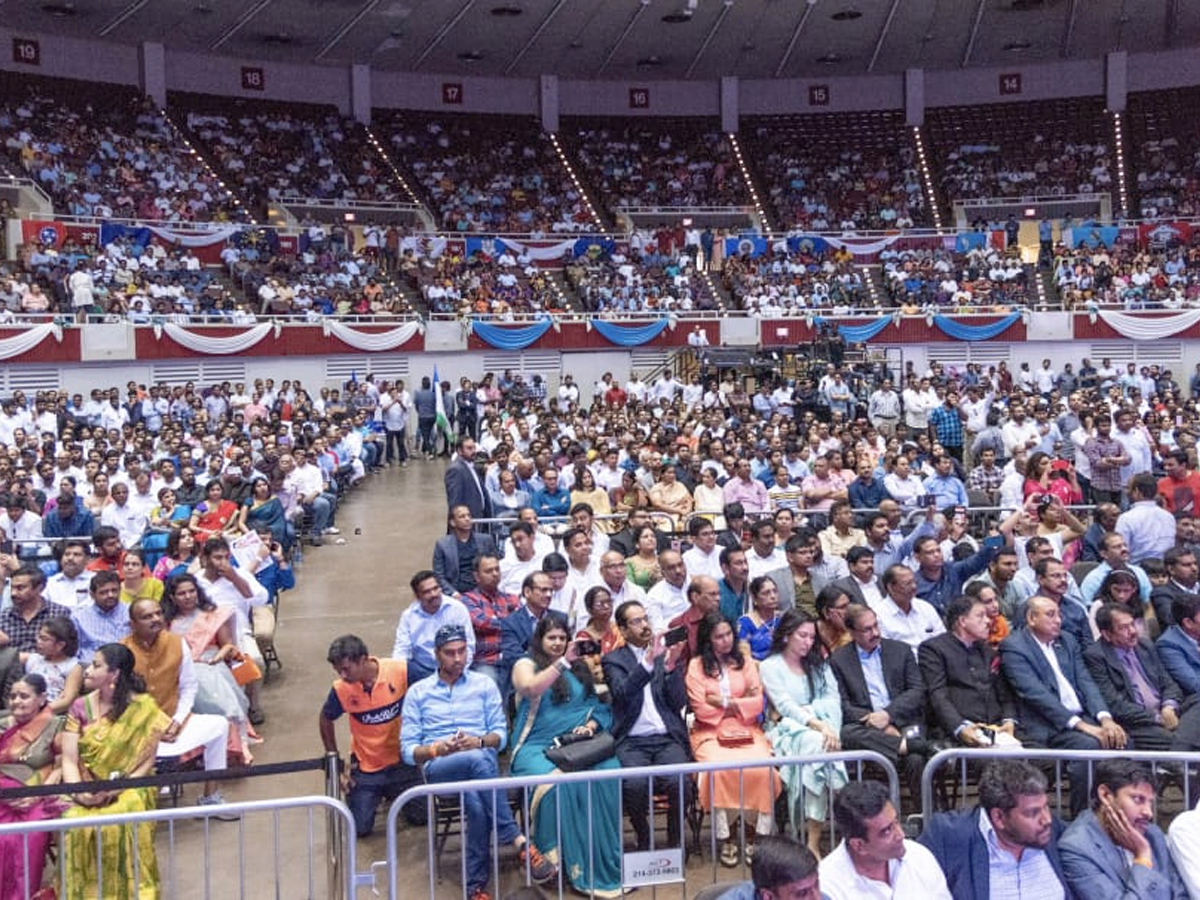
(441, 423)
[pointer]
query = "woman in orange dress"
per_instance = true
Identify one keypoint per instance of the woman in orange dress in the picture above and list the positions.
(726, 696)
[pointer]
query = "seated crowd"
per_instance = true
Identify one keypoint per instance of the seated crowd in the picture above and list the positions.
(651, 277)
(785, 606)
(268, 153)
(1050, 147)
(786, 283)
(103, 152)
(1166, 148)
(940, 279)
(503, 283)
(494, 174)
(664, 163)
(1128, 278)
(848, 172)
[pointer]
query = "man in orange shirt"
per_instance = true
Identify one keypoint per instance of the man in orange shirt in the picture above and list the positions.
(1181, 488)
(372, 691)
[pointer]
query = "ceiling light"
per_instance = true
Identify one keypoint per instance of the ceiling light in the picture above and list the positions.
(507, 11)
(677, 18)
(1017, 46)
(846, 15)
(830, 59)
(471, 56)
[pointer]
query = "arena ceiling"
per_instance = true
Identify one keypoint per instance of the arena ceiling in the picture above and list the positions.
(651, 39)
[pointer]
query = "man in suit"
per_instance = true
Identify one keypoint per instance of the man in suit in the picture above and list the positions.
(1096, 847)
(1059, 706)
(464, 487)
(517, 627)
(1142, 697)
(860, 585)
(970, 701)
(455, 554)
(883, 696)
(1010, 840)
(1184, 574)
(798, 584)
(645, 682)
(1179, 646)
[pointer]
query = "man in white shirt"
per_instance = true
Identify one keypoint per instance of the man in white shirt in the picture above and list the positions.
(70, 586)
(1019, 433)
(903, 616)
(1183, 840)
(520, 559)
(873, 858)
(704, 557)
(1148, 529)
(668, 598)
(764, 556)
(227, 586)
(123, 516)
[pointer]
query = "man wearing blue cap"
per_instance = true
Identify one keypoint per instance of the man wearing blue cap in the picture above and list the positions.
(453, 726)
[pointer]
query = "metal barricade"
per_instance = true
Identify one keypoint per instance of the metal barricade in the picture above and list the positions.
(256, 855)
(446, 799)
(1182, 768)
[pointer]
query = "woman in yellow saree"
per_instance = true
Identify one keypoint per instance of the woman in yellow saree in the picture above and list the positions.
(111, 732)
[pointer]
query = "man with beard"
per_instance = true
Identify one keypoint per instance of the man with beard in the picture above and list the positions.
(1007, 845)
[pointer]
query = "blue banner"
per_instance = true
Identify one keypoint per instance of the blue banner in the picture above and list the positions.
(594, 247)
(1091, 235)
(510, 338)
(110, 232)
(493, 247)
(961, 332)
(810, 243)
(749, 244)
(966, 241)
(858, 334)
(629, 335)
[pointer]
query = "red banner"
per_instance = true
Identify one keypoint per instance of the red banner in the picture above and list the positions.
(1163, 234)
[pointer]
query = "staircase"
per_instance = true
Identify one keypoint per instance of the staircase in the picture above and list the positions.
(253, 216)
(754, 184)
(925, 165)
(877, 294)
(601, 221)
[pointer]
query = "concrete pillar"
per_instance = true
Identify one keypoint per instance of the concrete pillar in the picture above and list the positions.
(914, 97)
(548, 103)
(1116, 80)
(730, 104)
(360, 93)
(152, 72)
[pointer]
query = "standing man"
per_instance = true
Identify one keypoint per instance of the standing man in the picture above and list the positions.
(1108, 458)
(883, 409)
(1148, 529)
(1008, 845)
(452, 727)
(645, 681)
(395, 404)
(464, 487)
(425, 403)
(874, 859)
(370, 689)
(488, 606)
(946, 425)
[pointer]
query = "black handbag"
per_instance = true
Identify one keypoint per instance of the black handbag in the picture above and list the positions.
(573, 752)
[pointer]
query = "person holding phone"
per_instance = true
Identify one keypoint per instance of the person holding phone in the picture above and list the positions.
(645, 680)
(556, 695)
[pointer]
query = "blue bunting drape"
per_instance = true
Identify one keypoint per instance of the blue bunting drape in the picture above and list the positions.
(629, 335)
(510, 338)
(857, 334)
(961, 332)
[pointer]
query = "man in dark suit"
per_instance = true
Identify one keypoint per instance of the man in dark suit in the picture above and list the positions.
(645, 682)
(625, 540)
(1059, 706)
(1142, 697)
(455, 554)
(1184, 581)
(517, 627)
(971, 703)
(883, 696)
(1179, 646)
(1014, 809)
(860, 585)
(464, 487)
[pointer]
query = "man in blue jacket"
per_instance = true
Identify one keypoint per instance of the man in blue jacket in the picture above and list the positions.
(1009, 840)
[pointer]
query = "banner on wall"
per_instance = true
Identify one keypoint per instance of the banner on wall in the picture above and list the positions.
(55, 233)
(1091, 236)
(1164, 234)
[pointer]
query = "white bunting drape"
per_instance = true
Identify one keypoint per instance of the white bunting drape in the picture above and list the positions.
(372, 342)
(28, 339)
(218, 346)
(1142, 328)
